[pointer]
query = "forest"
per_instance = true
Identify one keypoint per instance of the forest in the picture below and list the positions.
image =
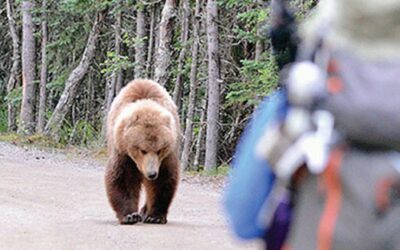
(63, 61)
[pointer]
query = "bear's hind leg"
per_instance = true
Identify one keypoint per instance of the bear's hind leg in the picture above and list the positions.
(123, 190)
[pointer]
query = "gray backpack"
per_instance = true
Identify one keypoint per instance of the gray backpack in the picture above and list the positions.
(355, 202)
(367, 105)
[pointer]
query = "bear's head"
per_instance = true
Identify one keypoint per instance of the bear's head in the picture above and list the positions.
(146, 132)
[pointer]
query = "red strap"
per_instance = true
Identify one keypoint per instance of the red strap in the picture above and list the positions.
(331, 179)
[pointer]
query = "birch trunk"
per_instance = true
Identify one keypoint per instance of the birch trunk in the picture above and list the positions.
(150, 44)
(140, 51)
(27, 116)
(43, 73)
(213, 86)
(163, 59)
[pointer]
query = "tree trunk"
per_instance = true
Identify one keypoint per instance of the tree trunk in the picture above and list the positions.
(72, 84)
(157, 18)
(163, 60)
(15, 68)
(213, 86)
(178, 89)
(140, 51)
(151, 41)
(193, 89)
(116, 77)
(28, 70)
(199, 141)
(43, 73)
(113, 82)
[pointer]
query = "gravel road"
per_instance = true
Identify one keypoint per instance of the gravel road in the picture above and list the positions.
(56, 200)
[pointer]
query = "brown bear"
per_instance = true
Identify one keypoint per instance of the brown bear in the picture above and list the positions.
(143, 133)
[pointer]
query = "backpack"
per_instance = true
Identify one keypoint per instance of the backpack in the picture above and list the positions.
(366, 104)
(352, 201)
(353, 204)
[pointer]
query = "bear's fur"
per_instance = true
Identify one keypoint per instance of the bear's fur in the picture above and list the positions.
(142, 138)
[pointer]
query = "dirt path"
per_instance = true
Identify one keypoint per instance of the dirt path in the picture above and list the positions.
(49, 200)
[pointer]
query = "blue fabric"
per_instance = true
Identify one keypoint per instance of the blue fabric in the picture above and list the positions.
(251, 178)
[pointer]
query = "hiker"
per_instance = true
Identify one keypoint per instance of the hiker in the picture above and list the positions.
(335, 153)
(349, 198)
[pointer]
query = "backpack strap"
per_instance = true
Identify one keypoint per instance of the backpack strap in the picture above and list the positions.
(333, 187)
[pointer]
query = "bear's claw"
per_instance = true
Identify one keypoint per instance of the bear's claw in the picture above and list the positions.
(132, 218)
(155, 219)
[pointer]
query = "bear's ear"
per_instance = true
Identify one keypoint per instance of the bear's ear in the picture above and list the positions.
(166, 119)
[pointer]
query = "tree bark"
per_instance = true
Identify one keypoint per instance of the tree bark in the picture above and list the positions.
(150, 44)
(113, 83)
(199, 141)
(43, 73)
(157, 18)
(140, 51)
(193, 89)
(178, 88)
(27, 117)
(163, 59)
(72, 84)
(213, 86)
(114, 87)
(15, 68)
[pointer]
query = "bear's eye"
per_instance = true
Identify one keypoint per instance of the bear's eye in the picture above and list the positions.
(159, 151)
(143, 151)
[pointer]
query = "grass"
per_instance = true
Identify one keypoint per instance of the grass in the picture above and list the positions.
(221, 170)
(3, 119)
(36, 140)
(44, 142)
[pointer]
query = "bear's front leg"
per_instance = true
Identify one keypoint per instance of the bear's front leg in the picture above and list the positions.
(160, 193)
(123, 182)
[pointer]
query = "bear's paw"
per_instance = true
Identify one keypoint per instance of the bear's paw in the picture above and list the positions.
(155, 219)
(132, 218)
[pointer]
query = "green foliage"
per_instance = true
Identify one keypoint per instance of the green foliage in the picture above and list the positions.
(82, 7)
(250, 21)
(130, 41)
(115, 62)
(3, 118)
(14, 97)
(58, 83)
(259, 78)
(234, 3)
(84, 133)
(81, 133)
(221, 170)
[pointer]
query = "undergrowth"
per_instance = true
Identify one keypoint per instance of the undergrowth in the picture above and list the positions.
(221, 170)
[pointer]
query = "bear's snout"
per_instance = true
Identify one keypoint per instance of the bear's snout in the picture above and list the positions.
(151, 175)
(151, 164)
